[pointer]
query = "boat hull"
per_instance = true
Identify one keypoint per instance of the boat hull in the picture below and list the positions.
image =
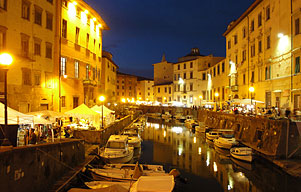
(247, 157)
(119, 159)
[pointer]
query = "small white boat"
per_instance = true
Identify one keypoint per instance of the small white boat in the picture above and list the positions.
(211, 135)
(164, 183)
(145, 167)
(117, 150)
(242, 153)
(125, 174)
(226, 141)
(166, 115)
(134, 138)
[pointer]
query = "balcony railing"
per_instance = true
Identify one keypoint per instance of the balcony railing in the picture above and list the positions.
(90, 82)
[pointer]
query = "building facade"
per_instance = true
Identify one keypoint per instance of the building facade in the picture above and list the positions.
(126, 86)
(108, 76)
(80, 45)
(145, 90)
(27, 32)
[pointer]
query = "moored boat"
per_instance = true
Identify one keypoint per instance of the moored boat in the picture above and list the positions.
(117, 150)
(134, 138)
(226, 141)
(211, 135)
(242, 153)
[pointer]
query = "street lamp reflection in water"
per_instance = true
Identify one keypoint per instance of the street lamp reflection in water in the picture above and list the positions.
(102, 99)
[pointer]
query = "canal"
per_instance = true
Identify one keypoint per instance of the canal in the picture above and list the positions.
(206, 168)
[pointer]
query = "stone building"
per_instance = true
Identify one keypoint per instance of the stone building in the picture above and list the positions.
(27, 32)
(126, 86)
(108, 77)
(80, 54)
(263, 51)
(145, 89)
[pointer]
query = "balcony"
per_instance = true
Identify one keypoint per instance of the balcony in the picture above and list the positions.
(88, 82)
(234, 88)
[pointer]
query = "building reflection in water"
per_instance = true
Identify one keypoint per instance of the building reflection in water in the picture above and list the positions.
(176, 145)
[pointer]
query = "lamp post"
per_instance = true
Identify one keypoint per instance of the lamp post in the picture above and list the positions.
(102, 98)
(251, 89)
(201, 98)
(216, 97)
(5, 60)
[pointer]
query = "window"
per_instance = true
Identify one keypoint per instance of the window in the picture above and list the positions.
(2, 37)
(87, 71)
(253, 50)
(179, 76)
(76, 69)
(229, 45)
(223, 67)
(165, 89)
(259, 46)
(244, 55)
(243, 32)
(63, 98)
(37, 46)
(24, 45)
(50, 1)
(26, 76)
(252, 77)
(184, 87)
(214, 72)
(267, 12)
(87, 40)
(252, 26)
(178, 66)
(259, 74)
(297, 65)
(218, 70)
(76, 35)
(48, 50)
(169, 90)
(63, 65)
(191, 65)
(158, 89)
(64, 3)
(3, 4)
(184, 65)
(75, 102)
(117, 86)
(297, 26)
(184, 75)
(37, 79)
(25, 10)
(235, 39)
(175, 77)
(64, 29)
(268, 73)
(49, 18)
(38, 15)
(179, 88)
(204, 76)
(259, 19)
(191, 75)
(191, 87)
(268, 41)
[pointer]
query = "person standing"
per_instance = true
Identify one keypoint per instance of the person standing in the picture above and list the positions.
(32, 137)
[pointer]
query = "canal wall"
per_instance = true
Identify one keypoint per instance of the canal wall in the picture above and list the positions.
(269, 137)
(36, 168)
(101, 137)
(273, 138)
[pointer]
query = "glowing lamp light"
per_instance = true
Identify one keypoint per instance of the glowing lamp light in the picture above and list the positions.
(194, 139)
(65, 76)
(201, 97)
(39, 116)
(71, 10)
(164, 133)
(280, 35)
(200, 150)
(74, 3)
(100, 25)
(102, 98)
(216, 94)
(181, 81)
(123, 100)
(214, 167)
(251, 89)
(86, 11)
(194, 98)
(94, 19)
(5, 59)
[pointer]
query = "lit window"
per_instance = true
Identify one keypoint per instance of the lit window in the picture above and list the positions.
(63, 65)
(76, 35)
(64, 29)
(297, 65)
(76, 69)
(25, 9)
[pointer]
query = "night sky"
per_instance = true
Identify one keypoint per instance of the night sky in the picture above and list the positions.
(141, 30)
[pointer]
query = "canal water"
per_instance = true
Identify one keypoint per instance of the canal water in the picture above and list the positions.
(204, 167)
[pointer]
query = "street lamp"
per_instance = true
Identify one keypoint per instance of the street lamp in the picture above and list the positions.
(201, 98)
(5, 60)
(216, 97)
(102, 98)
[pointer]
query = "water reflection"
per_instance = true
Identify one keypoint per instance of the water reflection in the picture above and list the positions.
(176, 145)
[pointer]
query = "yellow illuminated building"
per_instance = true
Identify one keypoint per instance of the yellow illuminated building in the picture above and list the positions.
(260, 53)
(108, 76)
(80, 54)
(27, 32)
(145, 90)
(126, 86)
